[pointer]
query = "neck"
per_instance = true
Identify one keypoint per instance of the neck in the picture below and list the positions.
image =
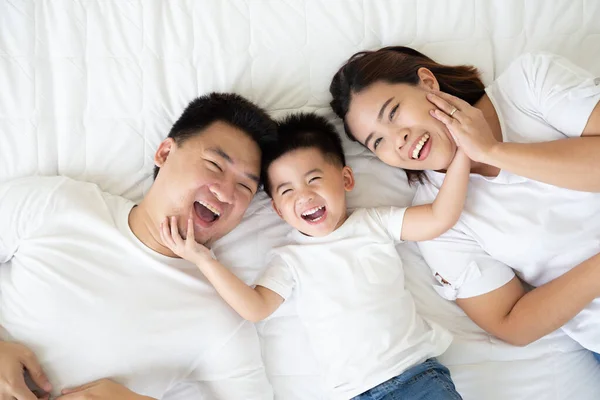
(491, 116)
(145, 226)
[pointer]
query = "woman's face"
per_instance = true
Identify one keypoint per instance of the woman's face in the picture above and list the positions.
(393, 121)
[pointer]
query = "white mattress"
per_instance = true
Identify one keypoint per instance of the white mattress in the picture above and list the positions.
(89, 88)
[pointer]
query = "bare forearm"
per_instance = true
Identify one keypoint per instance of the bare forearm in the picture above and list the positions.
(548, 307)
(428, 221)
(450, 200)
(245, 300)
(572, 163)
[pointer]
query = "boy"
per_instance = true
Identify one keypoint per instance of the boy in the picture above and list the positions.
(361, 321)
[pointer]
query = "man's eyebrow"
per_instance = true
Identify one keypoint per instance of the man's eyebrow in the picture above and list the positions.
(253, 177)
(220, 152)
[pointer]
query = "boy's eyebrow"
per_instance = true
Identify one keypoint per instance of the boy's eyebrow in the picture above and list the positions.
(312, 171)
(379, 116)
(221, 153)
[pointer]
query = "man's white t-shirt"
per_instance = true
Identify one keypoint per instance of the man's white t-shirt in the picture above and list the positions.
(91, 301)
(513, 223)
(361, 321)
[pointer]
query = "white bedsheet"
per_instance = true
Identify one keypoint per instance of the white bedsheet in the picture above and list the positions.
(89, 88)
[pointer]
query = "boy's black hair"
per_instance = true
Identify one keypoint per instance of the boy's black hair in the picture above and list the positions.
(300, 131)
(230, 108)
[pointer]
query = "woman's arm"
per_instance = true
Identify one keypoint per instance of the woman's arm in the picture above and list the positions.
(520, 318)
(572, 163)
(253, 304)
(428, 221)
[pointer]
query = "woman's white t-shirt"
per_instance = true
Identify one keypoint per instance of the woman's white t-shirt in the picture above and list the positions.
(511, 223)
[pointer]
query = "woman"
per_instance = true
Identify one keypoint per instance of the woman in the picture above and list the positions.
(533, 204)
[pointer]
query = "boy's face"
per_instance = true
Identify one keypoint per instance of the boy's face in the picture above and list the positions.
(309, 192)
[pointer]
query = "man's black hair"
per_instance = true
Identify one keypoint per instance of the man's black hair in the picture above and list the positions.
(230, 108)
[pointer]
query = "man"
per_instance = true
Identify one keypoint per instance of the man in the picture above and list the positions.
(89, 291)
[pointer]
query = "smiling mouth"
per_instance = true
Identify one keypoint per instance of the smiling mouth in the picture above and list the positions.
(417, 151)
(206, 212)
(314, 214)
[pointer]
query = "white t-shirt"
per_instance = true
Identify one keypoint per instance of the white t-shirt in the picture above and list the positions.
(362, 322)
(81, 291)
(514, 223)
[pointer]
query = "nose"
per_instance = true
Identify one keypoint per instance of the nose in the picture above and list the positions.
(223, 191)
(306, 196)
(401, 137)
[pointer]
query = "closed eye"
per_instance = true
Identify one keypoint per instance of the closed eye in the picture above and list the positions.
(214, 164)
(376, 143)
(246, 187)
(286, 191)
(393, 112)
(311, 180)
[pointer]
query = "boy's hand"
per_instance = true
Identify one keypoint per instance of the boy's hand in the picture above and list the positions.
(187, 248)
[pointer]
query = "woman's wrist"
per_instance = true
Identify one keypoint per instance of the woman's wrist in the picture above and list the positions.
(493, 155)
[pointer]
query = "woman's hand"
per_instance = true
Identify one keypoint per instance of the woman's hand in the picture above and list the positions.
(187, 248)
(465, 123)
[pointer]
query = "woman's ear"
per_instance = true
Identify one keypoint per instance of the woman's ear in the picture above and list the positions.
(427, 80)
(163, 151)
(348, 178)
(276, 209)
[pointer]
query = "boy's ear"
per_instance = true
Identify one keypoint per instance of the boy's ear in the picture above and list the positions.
(276, 209)
(348, 178)
(428, 79)
(163, 151)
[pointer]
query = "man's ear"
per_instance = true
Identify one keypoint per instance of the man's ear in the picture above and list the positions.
(163, 151)
(276, 209)
(348, 178)
(427, 79)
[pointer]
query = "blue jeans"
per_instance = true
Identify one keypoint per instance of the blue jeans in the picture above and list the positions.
(427, 381)
(596, 356)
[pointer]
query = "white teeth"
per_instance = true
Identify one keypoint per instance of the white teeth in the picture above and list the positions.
(211, 208)
(312, 211)
(419, 146)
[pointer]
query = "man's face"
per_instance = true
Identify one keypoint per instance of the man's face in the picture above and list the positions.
(211, 177)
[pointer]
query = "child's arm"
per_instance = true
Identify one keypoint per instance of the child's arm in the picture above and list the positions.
(428, 221)
(252, 304)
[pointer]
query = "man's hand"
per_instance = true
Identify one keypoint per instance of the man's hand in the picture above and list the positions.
(14, 360)
(104, 389)
(187, 248)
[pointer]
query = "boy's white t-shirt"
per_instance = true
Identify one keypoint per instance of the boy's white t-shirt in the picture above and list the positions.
(91, 301)
(361, 321)
(513, 223)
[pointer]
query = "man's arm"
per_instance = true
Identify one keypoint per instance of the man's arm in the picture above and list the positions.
(104, 389)
(428, 221)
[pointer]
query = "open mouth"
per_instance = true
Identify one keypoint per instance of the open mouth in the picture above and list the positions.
(314, 214)
(416, 153)
(206, 212)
